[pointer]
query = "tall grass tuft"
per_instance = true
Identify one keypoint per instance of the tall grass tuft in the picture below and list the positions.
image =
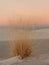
(20, 47)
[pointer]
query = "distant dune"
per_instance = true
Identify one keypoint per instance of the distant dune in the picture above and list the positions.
(7, 34)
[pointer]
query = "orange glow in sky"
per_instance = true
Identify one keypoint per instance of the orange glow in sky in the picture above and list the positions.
(24, 12)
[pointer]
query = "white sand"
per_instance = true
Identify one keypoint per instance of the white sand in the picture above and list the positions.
(26, 61)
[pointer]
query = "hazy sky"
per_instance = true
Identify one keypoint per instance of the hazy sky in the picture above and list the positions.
(31, 11)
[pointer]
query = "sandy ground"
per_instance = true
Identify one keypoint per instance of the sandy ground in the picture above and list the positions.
(17, 61)
(40, 40)
(40, 56)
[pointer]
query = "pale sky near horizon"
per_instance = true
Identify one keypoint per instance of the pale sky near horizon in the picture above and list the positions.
(31, 11)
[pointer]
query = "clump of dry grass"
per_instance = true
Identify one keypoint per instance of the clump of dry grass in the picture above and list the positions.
(22, 48)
